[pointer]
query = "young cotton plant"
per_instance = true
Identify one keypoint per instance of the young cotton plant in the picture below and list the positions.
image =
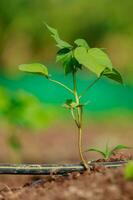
(107, 152)
(74, 58)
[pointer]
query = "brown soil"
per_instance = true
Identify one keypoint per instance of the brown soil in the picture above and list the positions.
(100, 184)
(58, 146)
(117, 156)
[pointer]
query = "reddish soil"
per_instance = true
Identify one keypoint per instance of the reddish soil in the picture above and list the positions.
(117, 156)
(100, 184)
(58, 146)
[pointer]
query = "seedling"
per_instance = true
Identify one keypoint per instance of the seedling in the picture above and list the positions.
(74, 58)
(107, 152)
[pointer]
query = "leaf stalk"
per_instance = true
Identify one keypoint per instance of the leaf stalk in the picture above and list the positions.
(91, 85)
(61, 84)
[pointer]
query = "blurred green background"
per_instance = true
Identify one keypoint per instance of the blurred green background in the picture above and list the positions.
(30, 101)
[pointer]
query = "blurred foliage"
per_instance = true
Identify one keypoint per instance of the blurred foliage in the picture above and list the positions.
(107, 101)
(24, 110)
(102, 23)
(129, 171)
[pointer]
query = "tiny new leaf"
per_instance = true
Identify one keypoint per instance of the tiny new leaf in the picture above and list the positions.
(35, 68)
(60, 43)
(63, 54)
(65, 57)
(81, 43)
(70, 104)
(119, 147)
(69, 63)
(98, 151)
(107, 153)
(68, 66)
(93, 59)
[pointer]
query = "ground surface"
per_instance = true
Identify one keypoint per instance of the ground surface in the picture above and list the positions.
(59, 146)
(106, 184)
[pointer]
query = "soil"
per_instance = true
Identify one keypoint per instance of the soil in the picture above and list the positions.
(95, 184)
(99, 184)
(117, 156)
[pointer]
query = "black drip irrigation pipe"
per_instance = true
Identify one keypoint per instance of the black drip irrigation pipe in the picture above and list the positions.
(48, 169)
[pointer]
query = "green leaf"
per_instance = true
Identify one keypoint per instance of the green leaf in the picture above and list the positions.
(35, 68)
(129, 171)
(60, 43)
(63, 54)
(119, 147)
(113, 74)
(70, 64)
(81, 43)
(67, 60)
(97, 150)
(107, 151)
(93, 59)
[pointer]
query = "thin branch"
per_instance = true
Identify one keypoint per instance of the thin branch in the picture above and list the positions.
(84, 92)
(61, 84)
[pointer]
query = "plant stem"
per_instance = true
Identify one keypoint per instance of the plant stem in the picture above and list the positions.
(80, 144)
(79, 121)
(84, 92)
(61, 84)
(80, 148)
(74, 117)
